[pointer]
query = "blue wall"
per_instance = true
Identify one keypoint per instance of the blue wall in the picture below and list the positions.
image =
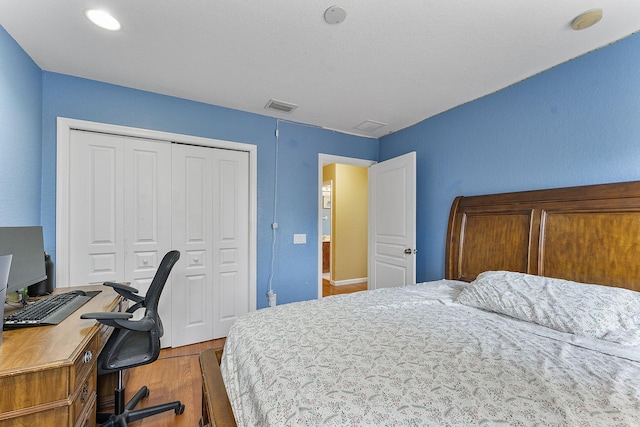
(20, 135)
(576, 124)
(296, 269)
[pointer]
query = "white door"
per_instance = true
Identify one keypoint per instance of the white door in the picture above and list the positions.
(120, 211)
(192, 219)
(231, 239)
(125, 212)
(103, 245)
(392, 222)
(96, 235)
(211, 230)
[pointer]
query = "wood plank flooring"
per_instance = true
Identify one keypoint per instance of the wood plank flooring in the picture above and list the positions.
(176, 375)
(328, 289)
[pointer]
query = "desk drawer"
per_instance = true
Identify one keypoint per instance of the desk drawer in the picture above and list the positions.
(87, 417)
(33, 388)
(52, 417)
(84, 394)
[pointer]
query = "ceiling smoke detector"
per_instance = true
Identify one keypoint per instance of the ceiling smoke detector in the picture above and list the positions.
(587, 19)
(282, 107)
(335, 15)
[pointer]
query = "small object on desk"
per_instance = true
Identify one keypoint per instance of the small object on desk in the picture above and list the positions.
(50, 310)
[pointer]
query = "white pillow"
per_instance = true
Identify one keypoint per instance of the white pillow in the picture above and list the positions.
(607, 313)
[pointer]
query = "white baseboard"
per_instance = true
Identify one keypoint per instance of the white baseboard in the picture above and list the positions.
(348, 281)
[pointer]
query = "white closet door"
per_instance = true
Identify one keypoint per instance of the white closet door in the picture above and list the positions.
(120, 211)
(132, 199)
(211, 229)
(231, 238)
(147, 224)
(192, 219)
(96, 218)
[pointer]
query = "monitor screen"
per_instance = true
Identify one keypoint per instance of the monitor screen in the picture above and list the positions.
(27, 264)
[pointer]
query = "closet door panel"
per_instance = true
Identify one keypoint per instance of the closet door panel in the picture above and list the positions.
(147, 225)
(147, 206)
(96, 234)
(192, 219)
(231, 235)
(120, 216)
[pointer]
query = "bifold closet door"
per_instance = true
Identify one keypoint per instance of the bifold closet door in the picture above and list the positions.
(120, 210)
(134, 199)
(211, 229)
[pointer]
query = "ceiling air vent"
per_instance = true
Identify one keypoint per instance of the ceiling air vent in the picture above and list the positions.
(282, 107)
(369, 126)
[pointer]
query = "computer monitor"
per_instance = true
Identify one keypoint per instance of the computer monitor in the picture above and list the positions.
(26, 244)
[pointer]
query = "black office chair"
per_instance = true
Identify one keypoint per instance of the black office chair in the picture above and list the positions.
(134, 343)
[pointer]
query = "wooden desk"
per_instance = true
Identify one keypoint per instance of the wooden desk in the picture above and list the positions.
(48, 374)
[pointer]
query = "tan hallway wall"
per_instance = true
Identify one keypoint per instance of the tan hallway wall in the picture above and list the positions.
(349, 225)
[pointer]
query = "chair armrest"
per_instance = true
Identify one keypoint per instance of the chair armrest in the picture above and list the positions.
(122, 286)
(107, 315)
(126, 291)
(121, 321)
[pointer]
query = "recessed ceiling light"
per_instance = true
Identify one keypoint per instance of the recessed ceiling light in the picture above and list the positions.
(587, 19)
(102, 19)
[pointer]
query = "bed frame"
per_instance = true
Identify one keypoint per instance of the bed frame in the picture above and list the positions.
(588, 234)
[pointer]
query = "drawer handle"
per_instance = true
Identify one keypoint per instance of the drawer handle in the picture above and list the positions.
(88, 355)
(84, 392)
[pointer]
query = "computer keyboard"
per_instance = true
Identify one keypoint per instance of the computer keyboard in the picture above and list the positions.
(50, 310)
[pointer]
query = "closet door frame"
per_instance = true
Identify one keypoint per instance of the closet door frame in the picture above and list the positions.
(64, 128)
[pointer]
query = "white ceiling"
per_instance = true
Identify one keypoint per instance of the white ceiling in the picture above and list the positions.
(396, 62)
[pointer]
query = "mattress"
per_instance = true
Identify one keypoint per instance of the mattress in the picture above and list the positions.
(411, 356)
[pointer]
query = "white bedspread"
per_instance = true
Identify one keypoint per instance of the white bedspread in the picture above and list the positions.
(411, 357)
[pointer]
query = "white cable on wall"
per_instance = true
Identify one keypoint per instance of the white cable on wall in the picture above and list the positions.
(274, 225)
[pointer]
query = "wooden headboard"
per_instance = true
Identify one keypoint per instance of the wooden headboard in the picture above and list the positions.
(587, 234)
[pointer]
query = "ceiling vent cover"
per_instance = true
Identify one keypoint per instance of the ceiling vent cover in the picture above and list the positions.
(370, 126)
(282, 107)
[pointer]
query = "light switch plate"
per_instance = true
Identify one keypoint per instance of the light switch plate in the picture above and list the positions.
(299, 239)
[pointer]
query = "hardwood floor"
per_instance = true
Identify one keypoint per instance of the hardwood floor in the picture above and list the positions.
(328, 289)
(175, 375)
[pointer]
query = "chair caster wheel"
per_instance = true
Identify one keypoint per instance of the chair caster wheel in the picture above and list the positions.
(179, 410)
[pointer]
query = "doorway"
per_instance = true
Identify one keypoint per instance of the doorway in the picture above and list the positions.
(327, 241)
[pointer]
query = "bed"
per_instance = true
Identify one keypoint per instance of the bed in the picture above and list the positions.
(516, 333)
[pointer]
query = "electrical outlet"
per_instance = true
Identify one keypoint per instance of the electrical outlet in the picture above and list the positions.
(272, 298)
(299, 239)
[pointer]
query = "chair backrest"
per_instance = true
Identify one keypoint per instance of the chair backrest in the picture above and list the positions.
(129, 347)
(152, 297)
